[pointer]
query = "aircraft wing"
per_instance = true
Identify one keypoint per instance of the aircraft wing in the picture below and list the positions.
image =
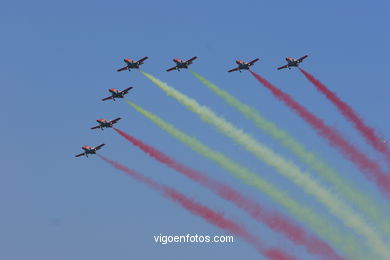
(283, 67)
(170, 69)
(235, 69)
(253, 61)
(116, 120)
(95, 127)
(81, 154)
(302, 58)
(190, 60)
(141, 60)
(107, 98)
(126, 90)
(99, 146)
(122, 69)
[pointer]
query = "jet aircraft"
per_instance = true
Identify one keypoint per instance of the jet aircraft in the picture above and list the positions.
(242, 65)
(292, 62)
(89, 150)
(131, 64)
(180, 64)
(103, 123)
(117, 93)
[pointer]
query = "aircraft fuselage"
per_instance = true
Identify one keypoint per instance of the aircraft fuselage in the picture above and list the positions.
(116, 94)
(132, 65)
(105, 123)
(292, 62)
(181, 64)
(242, 65)
(89, 150)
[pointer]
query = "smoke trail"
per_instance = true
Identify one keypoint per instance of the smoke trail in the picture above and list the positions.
(342, 186)
(212, 217)
(367, 132)
(288, 169)
(325, 229)
(371, 170)
(273, 220)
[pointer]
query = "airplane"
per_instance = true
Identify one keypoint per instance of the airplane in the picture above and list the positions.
(117, 93)
(132, 64)
(104, 123)
(89, 150)
(292, 62)
(180, 64)
(242, 65)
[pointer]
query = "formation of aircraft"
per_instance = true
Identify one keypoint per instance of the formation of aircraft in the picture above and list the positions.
(242, 65)
(180, 64)
(292, 62)
(89, 150)
(103, 123)
(130, 64)
(117, 93)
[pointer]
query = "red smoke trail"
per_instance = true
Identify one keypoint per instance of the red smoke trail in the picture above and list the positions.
(347, 111)
(371, 170)
(214, 218)
(273, 220)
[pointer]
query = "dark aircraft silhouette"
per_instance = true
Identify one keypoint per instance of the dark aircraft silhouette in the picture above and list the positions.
(180, 64)
(103, 123)
(242, 65)
(89, 150)
(132, 64)
(117, 93)
(292, 62)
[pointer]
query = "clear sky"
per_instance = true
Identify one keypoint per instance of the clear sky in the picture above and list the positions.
(57, 60)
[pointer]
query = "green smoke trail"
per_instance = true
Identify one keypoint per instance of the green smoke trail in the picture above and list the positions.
(288, 169)
(320, 225)
(364, 203)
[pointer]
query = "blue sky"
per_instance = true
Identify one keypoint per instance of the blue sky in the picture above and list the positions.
(59, 58)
